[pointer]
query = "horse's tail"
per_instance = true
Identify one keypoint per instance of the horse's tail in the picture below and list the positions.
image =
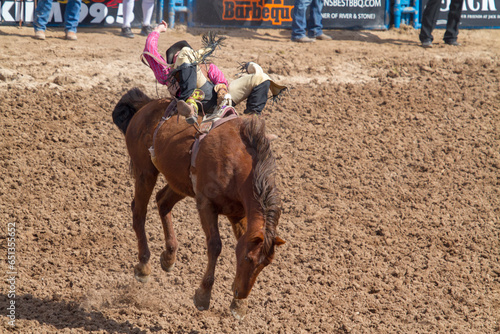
(264, 175)
(126, 108)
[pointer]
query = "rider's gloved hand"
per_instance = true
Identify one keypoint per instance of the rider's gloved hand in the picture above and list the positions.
(221, 90)
(162, 27)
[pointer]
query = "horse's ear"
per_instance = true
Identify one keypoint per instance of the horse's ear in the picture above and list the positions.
(278, 241)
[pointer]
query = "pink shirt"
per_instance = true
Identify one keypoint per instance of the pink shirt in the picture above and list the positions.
(161, 71)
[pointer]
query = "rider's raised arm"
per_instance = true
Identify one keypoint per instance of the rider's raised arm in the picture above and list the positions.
(155, 60)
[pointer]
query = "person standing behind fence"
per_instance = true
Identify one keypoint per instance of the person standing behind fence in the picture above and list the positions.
(429, 19)
(313, 25)
(128, 16)
(71, 18)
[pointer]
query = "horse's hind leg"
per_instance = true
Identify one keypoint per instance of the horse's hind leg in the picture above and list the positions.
(144, 185)
(209, 222)
(166, 199)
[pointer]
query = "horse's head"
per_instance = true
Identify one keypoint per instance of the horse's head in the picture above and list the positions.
(253, 253)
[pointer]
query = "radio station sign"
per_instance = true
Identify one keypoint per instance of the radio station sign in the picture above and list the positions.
(475, 14)
(92, 12)
(337, 14)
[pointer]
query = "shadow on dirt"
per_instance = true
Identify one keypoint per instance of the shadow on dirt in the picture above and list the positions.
(360, 36)
(63, 314)
(337, 35)
(283, 35)
(81, 30)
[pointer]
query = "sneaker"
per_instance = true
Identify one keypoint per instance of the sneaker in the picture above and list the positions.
(70, 35)
(427, 44)
(304, 39)
(452, 43)
(324, 37)
(40, 34)
(127, 32)
(146, 30)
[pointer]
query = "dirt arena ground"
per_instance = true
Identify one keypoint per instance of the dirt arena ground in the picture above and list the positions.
(388, 162)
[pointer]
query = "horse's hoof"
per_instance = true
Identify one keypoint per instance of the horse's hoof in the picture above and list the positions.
(142, 279)
(271, 136)
(167, 264)
(239, 308)
(167, 269)
(142, 272)
(201, 301)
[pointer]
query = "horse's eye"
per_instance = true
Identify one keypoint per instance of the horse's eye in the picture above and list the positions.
(248, 259)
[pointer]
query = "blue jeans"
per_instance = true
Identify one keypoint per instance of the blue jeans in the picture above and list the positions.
(313, 24)
(71, 14)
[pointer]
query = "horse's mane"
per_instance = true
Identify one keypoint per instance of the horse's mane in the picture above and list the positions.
(265, 190)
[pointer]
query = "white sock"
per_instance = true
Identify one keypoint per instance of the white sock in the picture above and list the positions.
(128, 12)
(148, 7)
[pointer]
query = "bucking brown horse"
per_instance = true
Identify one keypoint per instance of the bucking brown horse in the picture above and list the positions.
(233, 174)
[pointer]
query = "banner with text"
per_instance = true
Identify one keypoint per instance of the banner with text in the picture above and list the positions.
(337, 14)
(475, 14)
(93, 12)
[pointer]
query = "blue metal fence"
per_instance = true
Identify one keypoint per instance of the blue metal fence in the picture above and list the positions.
(184, 7)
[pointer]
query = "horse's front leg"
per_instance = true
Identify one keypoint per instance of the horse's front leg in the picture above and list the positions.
(239, 226)
(209, 222)
(144, 185)
(166, 199)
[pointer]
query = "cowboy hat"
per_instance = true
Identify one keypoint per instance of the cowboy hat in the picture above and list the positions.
(174, 49)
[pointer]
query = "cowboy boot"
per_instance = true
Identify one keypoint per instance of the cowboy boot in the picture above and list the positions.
(188, 109)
